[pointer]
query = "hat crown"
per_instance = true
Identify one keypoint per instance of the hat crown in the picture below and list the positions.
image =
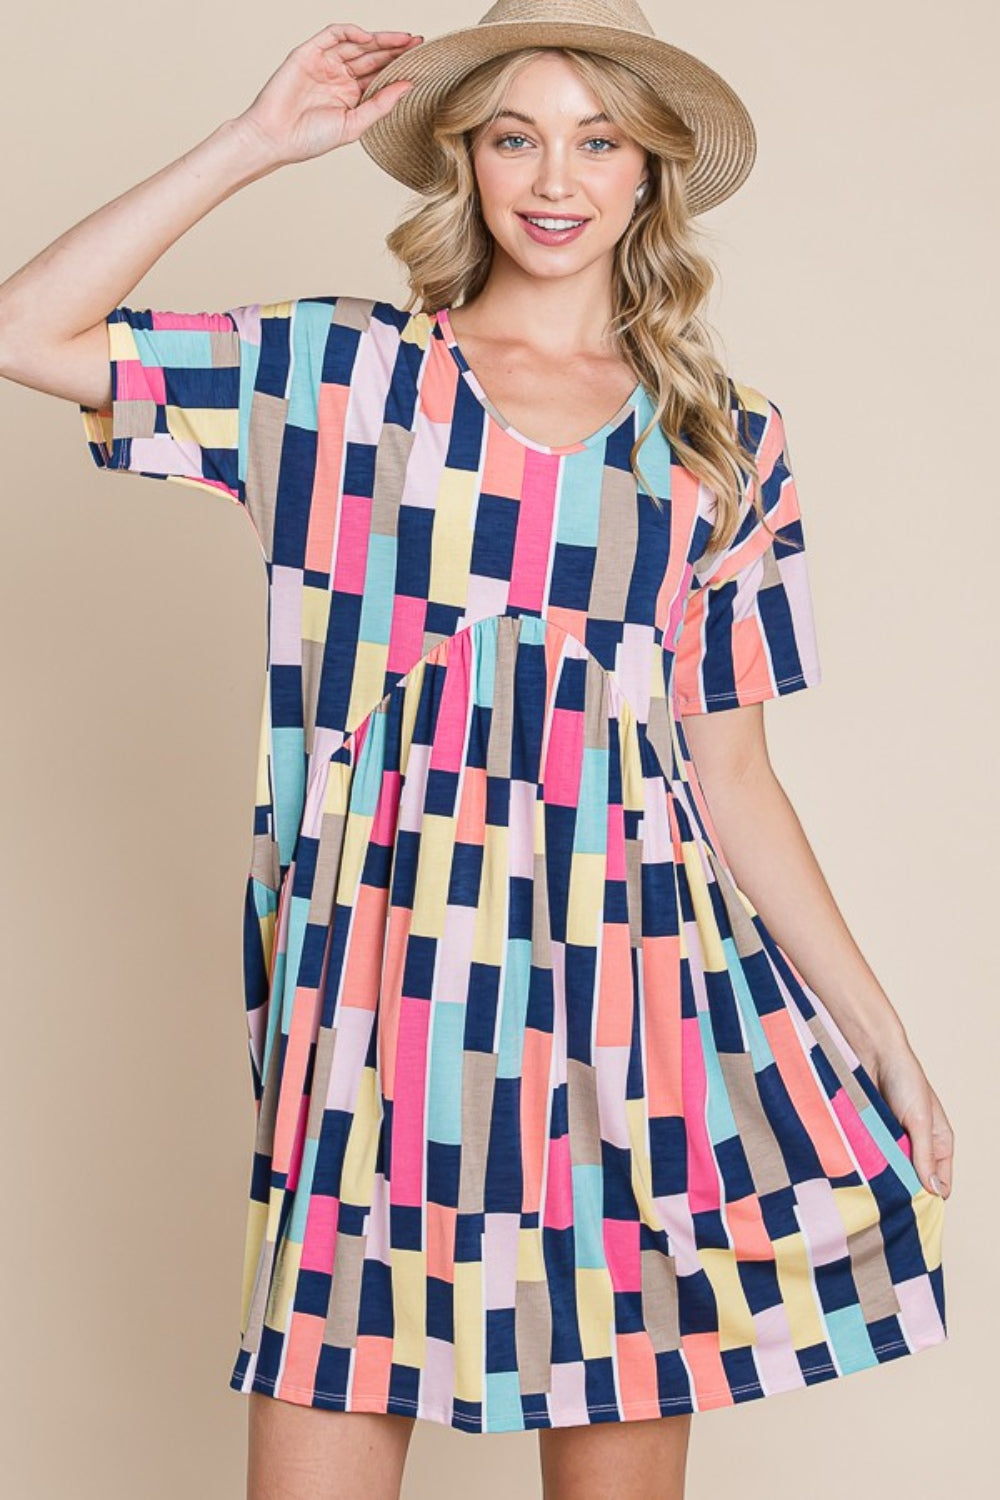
(621, 13)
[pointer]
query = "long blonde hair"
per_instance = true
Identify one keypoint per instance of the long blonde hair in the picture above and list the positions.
(661, 276)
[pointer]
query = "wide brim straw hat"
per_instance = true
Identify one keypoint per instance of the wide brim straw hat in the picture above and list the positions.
(725, 141)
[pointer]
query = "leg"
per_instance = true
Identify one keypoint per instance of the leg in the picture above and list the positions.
(644, 1459)
(306, 1453)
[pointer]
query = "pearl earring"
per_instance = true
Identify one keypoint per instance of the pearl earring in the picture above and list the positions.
(640, 193)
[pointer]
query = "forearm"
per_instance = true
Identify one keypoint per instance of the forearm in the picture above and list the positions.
(765, 846)
(75, 281)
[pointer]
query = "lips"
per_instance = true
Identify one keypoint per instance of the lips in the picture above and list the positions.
(552, 236)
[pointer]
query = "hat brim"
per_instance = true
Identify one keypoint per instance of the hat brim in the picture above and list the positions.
(725, 139)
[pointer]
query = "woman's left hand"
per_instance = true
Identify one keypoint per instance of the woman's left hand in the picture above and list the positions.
(902, 1082)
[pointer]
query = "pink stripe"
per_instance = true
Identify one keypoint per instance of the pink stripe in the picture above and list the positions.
(795, 579)
(621, 1251)
(138, 382)
(411, 803)
(500, 1238)
(386, 818)
(772, 441)
(302, 1350)
(657, 836)
(352, 544)
(293, 1099)
(533, 543)
(696, 965)
(523, 798)
(615, 854)
(370, 376)
(536, 1056)
(432, 437)
(774, 1350)
(558, 1186)
(324, 503)
(286, 615)
(298, 1143)
(918, 1312)
(448, 750)
(319, 1243)
(564, 757)
(454, 960)
(821, 1221)
(557, 958)
(612, 1089)
(354, 1029)
(437, 1382)
(407, 1168)
(870, 1158)
(247, 320)
(199, 322)
(406, 633)
(162, 454)
(568, 1395)
(703, 1178)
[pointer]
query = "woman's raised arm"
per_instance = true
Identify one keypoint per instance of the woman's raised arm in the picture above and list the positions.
(53, 309)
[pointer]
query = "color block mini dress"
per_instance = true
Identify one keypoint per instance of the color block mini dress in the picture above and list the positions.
(549, 1130)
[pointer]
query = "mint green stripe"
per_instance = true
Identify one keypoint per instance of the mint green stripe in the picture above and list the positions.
(504, 1412)
(444, 1087)
(379, 595)
(484, 660)
(588, 1214)
(300, 1206)
(719, 1114)
(177, 348)
(850, 1339)
(886, 1142)
(514, 1007)
(579, 520)
(310, 328)
(590, 835)
(289, 779)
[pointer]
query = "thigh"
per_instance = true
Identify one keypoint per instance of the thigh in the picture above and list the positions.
(643, 1459)
(308, 1453)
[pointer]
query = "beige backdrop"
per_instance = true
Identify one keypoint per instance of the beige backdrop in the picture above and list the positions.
(858, 291)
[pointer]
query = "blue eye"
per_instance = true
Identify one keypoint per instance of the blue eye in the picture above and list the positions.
(600, 139)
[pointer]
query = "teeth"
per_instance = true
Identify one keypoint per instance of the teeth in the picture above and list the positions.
(554, 223)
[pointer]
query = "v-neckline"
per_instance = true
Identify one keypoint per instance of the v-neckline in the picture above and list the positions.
(443, 321)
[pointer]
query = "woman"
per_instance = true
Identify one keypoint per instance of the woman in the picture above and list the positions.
(553, 1128)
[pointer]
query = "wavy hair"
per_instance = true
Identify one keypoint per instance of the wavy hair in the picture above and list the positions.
(661, 277)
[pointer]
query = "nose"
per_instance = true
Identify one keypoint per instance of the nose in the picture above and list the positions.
(554, 178)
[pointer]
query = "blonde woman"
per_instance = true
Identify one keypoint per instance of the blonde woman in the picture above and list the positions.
(577, 1104)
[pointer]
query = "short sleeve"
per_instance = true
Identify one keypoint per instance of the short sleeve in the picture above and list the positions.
(748, 631)
(181, 387)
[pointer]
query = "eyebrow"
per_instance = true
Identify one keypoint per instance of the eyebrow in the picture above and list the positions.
(515, 114)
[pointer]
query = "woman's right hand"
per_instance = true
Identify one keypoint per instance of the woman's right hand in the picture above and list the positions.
(311, 104)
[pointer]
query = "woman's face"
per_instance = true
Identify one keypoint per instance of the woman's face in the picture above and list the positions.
(547, 156)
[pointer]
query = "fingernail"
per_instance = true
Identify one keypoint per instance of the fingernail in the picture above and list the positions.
(935, 1184)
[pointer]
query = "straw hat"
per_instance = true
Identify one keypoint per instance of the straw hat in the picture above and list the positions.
(401, 142)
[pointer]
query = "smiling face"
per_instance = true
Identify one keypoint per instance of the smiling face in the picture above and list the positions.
(552, 154)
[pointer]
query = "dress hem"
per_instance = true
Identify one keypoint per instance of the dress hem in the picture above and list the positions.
(573, 1417)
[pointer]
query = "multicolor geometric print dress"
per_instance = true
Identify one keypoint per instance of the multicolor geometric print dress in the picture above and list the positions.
(549, 1130)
